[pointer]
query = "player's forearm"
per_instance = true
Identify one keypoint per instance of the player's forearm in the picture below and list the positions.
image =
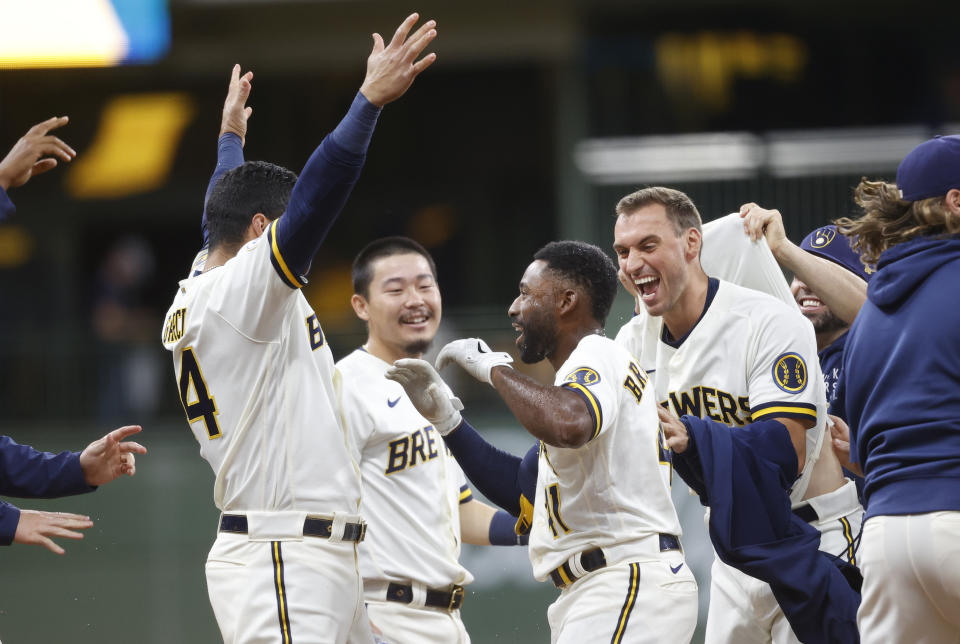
(6, 206)
(839, 289)
(324, 185)
(491, 470)
(557, 416)
(229, 156)
(29, 473)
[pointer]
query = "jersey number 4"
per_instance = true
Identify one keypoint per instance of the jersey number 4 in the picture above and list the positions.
(552, 499)
(196, 398)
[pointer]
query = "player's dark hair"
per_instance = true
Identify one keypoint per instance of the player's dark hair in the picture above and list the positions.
(251, 188)
(362, 272)
(586, 266)
(680, 209)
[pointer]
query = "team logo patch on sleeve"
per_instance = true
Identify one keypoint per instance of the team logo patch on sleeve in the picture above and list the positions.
(583, 375)
(790, 373)
(823, 237)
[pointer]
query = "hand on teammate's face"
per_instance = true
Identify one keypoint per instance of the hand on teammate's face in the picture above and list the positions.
(673, 430)
(35, 153)
(391, 68)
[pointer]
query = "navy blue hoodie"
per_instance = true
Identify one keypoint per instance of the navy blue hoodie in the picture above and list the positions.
(901, 369)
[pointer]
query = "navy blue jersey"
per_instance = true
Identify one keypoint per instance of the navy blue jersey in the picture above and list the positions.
(6, 206)
(831, 364)
(901, 381)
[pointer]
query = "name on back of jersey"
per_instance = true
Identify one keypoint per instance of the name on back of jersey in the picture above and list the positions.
(173, 326)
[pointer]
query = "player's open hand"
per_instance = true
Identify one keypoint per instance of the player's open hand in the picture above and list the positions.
(235, 110)
(427, 392)
(674, 431)
(36, 152)
(36, 528)
(391, 68)
(840, 441)
(110, 457)
(759, 222)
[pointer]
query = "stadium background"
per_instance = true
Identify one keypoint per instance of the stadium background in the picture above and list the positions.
(537, 117)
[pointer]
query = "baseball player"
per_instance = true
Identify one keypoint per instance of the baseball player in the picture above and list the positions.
(257, 379)
(36, 152)
(738, 357)
(901, 375)
(416, 500)
(604, 529)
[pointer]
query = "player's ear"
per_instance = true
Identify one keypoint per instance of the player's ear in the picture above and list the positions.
(259, 223)
(952, 201)
(567, 300)
(694, 241)
(359, 305)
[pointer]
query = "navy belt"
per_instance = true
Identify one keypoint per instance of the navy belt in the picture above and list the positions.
(594, 559)
(446, 599)
(807, 512)
(312, 527)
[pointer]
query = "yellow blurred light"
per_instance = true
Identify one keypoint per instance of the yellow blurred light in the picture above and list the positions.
(16, 246)
(60, 33)
(134, 147)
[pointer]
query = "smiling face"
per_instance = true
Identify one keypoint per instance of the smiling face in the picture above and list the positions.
(534, 313)
(824, 321)
(654, 257)
(402, 308)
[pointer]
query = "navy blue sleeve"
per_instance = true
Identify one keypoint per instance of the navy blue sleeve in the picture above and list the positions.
(492, 471)
(502, 531)
(6, 206)
(229, 156)
(27, 473)
(322, 189)
(9, 520)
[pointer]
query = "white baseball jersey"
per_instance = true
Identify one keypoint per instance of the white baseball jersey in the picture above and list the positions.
(615, 489)
(749, 357)
(257, 382)
(412, 486)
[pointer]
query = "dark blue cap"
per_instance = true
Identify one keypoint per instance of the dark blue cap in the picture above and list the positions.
(931, 169)
(830, 244)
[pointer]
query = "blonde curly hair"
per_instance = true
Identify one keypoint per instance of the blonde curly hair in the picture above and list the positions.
(888, 220)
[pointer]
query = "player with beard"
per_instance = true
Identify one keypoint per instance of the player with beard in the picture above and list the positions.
(416, 501)
(827, 295)
(603, 526)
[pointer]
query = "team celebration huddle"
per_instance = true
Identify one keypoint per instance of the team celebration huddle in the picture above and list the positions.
(817, 420)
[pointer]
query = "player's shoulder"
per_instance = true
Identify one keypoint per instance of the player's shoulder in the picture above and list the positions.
(593, 355)
(756, 305)
(360, 365)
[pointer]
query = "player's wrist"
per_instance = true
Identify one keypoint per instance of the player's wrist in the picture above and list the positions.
(448, 424)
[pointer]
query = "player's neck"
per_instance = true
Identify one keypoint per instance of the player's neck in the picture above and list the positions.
(685, 313)
(824, 340)
(386, 352)
(567, 341)
(218, 257)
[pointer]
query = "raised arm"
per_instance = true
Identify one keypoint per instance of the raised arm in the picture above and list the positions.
(233, 134)
(842, 291)
(329, 175)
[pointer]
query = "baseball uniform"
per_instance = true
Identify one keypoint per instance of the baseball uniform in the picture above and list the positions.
(609, 501)
(412, 490)
(901, 376)
(260, 392)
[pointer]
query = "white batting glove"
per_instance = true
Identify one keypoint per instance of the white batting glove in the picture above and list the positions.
(428, 393)
(474, 356)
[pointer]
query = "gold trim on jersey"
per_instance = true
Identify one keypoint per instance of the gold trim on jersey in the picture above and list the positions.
(628, 604)
(774, 409)
(285, 270)
(592, 403)
(465, 495)
(848, 535)
(525, 520)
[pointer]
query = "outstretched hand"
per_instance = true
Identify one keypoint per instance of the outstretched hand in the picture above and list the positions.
(35, 153)
(110, 457)
(474, 356)
(235, 110)
(427, 392)
(674, 431)
(391, 68)
(36, 528)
